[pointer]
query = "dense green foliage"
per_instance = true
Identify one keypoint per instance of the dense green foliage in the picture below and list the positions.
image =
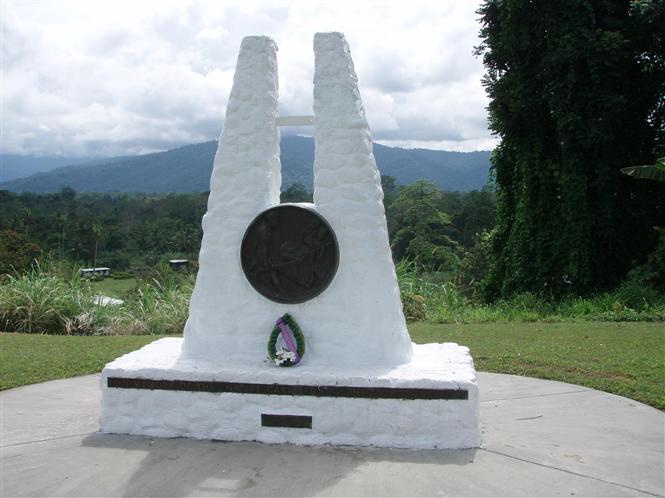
(577, 92)
(436, 228)
(422, 230)
(124, 230)
(17, 253)
(188, 169)
(115, 230)
(441, 241)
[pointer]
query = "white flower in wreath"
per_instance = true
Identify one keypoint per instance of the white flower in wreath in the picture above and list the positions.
(283, 356)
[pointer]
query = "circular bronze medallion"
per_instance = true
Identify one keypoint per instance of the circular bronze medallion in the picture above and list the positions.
(289, 254)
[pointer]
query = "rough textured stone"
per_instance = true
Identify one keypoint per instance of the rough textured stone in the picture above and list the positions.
(335, 420)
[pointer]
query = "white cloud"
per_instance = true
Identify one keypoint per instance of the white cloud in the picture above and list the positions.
(111, 78)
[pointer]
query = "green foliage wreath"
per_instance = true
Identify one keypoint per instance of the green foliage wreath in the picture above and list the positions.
(274, 354)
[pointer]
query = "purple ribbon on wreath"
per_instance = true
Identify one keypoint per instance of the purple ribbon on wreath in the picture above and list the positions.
(288, 339)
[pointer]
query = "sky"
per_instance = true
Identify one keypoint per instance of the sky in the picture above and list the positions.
(100, 78)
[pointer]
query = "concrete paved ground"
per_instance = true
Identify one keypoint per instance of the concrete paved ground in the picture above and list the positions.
(540, 438)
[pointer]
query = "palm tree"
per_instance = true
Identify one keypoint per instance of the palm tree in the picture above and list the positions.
(62, 219)
(96, 232)
(28, 219)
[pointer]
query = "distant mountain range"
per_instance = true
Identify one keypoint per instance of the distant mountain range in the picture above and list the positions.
(13, 167)
(188, 169)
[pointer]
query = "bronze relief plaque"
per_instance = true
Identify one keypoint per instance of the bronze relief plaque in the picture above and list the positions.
(289, 254)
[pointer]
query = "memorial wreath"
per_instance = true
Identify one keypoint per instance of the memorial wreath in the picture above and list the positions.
(293, 339)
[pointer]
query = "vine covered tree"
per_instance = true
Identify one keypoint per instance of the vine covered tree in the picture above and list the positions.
(577, 91)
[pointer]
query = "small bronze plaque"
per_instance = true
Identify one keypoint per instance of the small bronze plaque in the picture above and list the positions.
(292, 421)
(289, 254)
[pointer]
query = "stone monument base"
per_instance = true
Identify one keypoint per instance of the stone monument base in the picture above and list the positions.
(430, 402)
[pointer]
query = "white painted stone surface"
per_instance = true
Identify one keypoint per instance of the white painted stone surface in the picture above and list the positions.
(348, 193)
(358, 319)
(225, 314)
(344, 421)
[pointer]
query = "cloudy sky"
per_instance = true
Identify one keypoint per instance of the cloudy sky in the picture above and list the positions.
(115, 78)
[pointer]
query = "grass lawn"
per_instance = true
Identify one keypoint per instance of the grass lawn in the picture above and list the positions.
(113, 288)
(30, 358)
(622, 358)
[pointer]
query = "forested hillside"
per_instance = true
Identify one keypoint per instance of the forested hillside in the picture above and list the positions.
(188, 168)
(123, 230)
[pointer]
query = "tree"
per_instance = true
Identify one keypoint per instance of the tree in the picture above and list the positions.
(17, 253)
(61, 219)
(471, 213)
(96, 229)
(296, 193)
(576, 92)
(421, 230)
(389, 187)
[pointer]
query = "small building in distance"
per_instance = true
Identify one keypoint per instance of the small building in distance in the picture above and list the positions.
(102, 271)
(179, 264)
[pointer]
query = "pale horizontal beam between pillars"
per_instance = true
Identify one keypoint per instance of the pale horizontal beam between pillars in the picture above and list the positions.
(295, 120)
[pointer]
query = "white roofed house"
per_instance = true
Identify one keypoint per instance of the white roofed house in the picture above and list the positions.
(101, 271)
(178, 264)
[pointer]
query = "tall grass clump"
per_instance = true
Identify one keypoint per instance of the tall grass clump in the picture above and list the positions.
(529, 307)
(156, 306)
(42, 302)
(422, 296)
(48, 302)
(426, 298)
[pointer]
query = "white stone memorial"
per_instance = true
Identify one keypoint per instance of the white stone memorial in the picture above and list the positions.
(361, 381)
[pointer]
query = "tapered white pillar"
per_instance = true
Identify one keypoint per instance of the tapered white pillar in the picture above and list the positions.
(246, 179)
(347, 192)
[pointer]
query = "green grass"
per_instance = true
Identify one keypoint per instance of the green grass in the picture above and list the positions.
(30, 358)
(627, 359)
(113, 288)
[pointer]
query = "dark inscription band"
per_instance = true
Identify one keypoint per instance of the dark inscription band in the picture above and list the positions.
(287, 389)
(293, 421)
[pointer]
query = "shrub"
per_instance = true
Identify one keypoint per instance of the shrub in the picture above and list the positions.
(638, 296)
(413, 306)
(17, 253)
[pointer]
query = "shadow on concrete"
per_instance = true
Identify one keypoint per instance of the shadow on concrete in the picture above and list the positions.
(182, 467)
